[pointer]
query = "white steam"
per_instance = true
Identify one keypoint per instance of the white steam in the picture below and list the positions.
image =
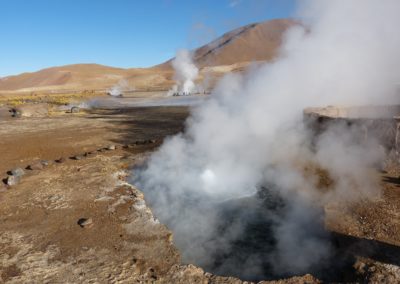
(119, 88)
(250, 133)
(185, 73)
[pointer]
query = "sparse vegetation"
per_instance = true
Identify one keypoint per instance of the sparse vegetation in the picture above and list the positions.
(54, 99)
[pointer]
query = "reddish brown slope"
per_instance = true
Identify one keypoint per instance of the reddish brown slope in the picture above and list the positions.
(255, 42)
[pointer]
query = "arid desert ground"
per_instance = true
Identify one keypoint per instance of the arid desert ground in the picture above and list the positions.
(76, 218)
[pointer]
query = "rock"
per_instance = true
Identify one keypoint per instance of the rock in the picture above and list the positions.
(60, 160)
(36, 166)
(78, 157)
(17, 172)
(111, 147)
(15, 112)
(85, 222)
(75, 109)
(13, 180)
(45, 163)
(152, 141)
(87, 154)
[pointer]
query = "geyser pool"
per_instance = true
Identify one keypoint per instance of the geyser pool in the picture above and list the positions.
(243, 242)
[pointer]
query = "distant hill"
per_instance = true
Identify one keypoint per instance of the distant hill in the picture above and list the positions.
(230, 52)
(254, 42)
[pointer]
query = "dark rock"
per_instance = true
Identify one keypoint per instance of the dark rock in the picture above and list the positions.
(75, 109)
(15, 112)
(17, 172)
(60, 160)
(35, 166)
(13, 180)
(85, 222)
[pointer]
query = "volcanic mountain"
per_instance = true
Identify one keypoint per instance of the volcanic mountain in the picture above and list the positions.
(232, 51)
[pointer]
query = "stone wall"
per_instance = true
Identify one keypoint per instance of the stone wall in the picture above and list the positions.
(371, 122)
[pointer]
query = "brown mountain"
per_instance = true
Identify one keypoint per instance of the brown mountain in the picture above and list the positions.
(254, 42)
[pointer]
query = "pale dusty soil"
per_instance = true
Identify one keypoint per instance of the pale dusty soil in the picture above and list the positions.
(41, 241)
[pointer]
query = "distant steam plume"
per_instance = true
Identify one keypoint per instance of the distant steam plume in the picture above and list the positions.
(118, 89)
(250, 135)
(185, 73)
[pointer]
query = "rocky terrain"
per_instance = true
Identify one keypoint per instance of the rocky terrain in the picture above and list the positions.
(71, 216)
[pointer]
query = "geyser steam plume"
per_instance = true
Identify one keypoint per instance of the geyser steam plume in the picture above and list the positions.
(119, 88)
(251, 133)
(185, 73)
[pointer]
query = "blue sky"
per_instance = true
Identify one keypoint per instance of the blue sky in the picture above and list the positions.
(36, 34)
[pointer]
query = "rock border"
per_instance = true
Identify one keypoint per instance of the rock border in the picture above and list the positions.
(14, 176)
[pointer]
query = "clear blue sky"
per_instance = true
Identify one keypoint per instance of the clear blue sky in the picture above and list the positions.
(36, 34)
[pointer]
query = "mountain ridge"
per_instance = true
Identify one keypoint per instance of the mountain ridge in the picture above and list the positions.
(252, 42)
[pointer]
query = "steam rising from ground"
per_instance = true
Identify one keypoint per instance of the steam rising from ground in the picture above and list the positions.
(119, 88)
(250, 133)
(185, 73)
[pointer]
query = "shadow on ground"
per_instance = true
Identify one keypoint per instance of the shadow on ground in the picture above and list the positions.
(133, 124)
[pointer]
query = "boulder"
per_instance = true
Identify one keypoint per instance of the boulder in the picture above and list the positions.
(13, 180)
(17, 172)
(36, 166)
(85, 222)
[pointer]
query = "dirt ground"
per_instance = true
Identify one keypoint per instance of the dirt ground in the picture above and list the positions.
(79, 221)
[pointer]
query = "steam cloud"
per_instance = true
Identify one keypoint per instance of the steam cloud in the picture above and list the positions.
(185, 73)
(119, 88)
(250, 133)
